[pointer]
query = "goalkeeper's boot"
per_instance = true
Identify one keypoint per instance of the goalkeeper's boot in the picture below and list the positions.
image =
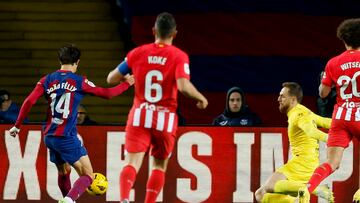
(324, 192)
(356, 198)
(66, 200)
(304, 195)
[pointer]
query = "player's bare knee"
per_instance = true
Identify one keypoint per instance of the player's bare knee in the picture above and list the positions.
(61, 173)
(67, 168)
(259, 194)
(161, 168)
(85, 171)
(135, 165)
(63, 169)
(335, 165)
(268, 188)
(160, 164)
(88, 173)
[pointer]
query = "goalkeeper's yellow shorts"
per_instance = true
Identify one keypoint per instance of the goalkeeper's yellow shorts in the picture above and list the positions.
(300, 168)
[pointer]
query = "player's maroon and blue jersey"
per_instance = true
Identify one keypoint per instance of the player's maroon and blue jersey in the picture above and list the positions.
(63, 91)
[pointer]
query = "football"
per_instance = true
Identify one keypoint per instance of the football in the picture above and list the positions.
(98, 186)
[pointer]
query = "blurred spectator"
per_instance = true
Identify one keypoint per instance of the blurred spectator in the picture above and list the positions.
(83, 118)
(9, 110)
(325, 106)
(236, 113)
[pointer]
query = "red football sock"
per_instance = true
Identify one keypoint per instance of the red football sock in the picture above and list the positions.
(154, 185)
(64, 183)
(79, 187)
(320, 173)
(127, 179)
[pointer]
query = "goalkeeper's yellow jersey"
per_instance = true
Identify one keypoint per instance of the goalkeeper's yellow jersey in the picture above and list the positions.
(303, 131)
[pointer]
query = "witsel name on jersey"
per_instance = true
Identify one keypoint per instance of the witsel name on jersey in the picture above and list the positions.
(65, 85)
(348, 65)
(157, 60)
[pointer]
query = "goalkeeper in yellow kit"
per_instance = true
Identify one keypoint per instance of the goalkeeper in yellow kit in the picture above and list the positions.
(304, 136)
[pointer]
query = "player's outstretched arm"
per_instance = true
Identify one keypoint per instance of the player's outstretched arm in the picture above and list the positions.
(114, 77)
(322, 121)
(188, 89)
(25, 108)
(307, 125)
(108, 93)
(118, 74)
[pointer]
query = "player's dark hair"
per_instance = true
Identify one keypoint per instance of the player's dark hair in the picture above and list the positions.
(165, 25)
(69, 54)
(349, 32)
(294, 90)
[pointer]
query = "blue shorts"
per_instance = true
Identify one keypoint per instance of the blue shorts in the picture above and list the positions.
(64, 149)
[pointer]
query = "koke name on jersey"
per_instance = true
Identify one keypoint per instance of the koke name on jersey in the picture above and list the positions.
(157, 60)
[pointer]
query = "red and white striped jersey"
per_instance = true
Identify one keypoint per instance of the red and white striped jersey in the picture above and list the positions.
(159, 120)
(156, 68)
(343, 72)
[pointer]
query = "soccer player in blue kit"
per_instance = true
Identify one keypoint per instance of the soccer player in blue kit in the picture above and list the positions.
(63, 90)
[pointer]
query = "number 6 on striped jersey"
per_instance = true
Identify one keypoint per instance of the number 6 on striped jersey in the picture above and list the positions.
(153, 86)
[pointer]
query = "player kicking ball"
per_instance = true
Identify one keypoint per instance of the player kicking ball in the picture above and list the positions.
(63, 90)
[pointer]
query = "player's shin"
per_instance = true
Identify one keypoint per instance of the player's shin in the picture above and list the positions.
(154, 185)
(320, 173)
(277, 198)
(288, 187)
(79, 187)
(127, 179)
(64, 183)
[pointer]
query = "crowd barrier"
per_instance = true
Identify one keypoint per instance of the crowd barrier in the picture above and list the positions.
(209, 164)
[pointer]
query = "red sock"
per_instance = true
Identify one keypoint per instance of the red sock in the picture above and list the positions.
(320, 173)
(79, 187)
(127, 179)
(64, 183)
(154, 185)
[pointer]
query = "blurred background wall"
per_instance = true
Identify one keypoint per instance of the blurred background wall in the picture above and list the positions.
(256, 45)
